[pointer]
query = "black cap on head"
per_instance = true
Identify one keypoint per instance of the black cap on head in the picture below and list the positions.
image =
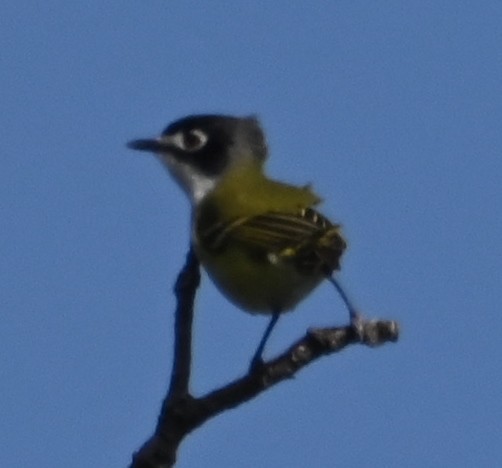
(224, 131)
(209, 142)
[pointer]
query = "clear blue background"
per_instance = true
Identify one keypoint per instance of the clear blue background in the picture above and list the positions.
(392, 109)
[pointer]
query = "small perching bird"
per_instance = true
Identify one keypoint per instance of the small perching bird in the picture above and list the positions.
(261, 241)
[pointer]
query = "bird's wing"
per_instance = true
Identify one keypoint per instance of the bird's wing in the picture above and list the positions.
(306, 238)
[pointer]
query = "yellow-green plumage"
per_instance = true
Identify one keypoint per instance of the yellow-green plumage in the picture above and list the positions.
(261, 242)
(252, 193)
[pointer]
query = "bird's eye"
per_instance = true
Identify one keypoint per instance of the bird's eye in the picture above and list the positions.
(194, 140)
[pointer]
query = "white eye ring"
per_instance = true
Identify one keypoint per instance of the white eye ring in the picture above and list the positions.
(191, 140)
(195, 139)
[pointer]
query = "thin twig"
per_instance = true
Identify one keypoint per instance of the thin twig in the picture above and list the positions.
(184, 289)
(160, 450)
(182, 413)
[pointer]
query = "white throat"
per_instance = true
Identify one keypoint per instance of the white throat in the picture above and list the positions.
(194, 184)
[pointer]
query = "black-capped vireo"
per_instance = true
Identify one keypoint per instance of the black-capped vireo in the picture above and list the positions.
(261, 241)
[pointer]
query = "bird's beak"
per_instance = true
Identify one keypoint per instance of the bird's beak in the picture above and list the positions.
(154, 145)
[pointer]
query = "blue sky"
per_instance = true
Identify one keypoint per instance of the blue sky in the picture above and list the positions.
(392, 109)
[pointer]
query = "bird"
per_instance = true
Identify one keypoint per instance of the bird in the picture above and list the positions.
(263, 242)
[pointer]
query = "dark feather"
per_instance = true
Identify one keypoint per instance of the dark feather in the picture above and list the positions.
(306, 238)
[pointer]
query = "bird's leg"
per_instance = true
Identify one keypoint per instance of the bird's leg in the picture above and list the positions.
(356, 319)
(257, 360)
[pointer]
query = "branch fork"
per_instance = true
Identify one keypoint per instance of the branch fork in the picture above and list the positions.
(181, 413)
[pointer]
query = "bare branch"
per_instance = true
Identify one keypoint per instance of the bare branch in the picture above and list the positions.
(185, 288)
(160, 450)
(182, 413)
